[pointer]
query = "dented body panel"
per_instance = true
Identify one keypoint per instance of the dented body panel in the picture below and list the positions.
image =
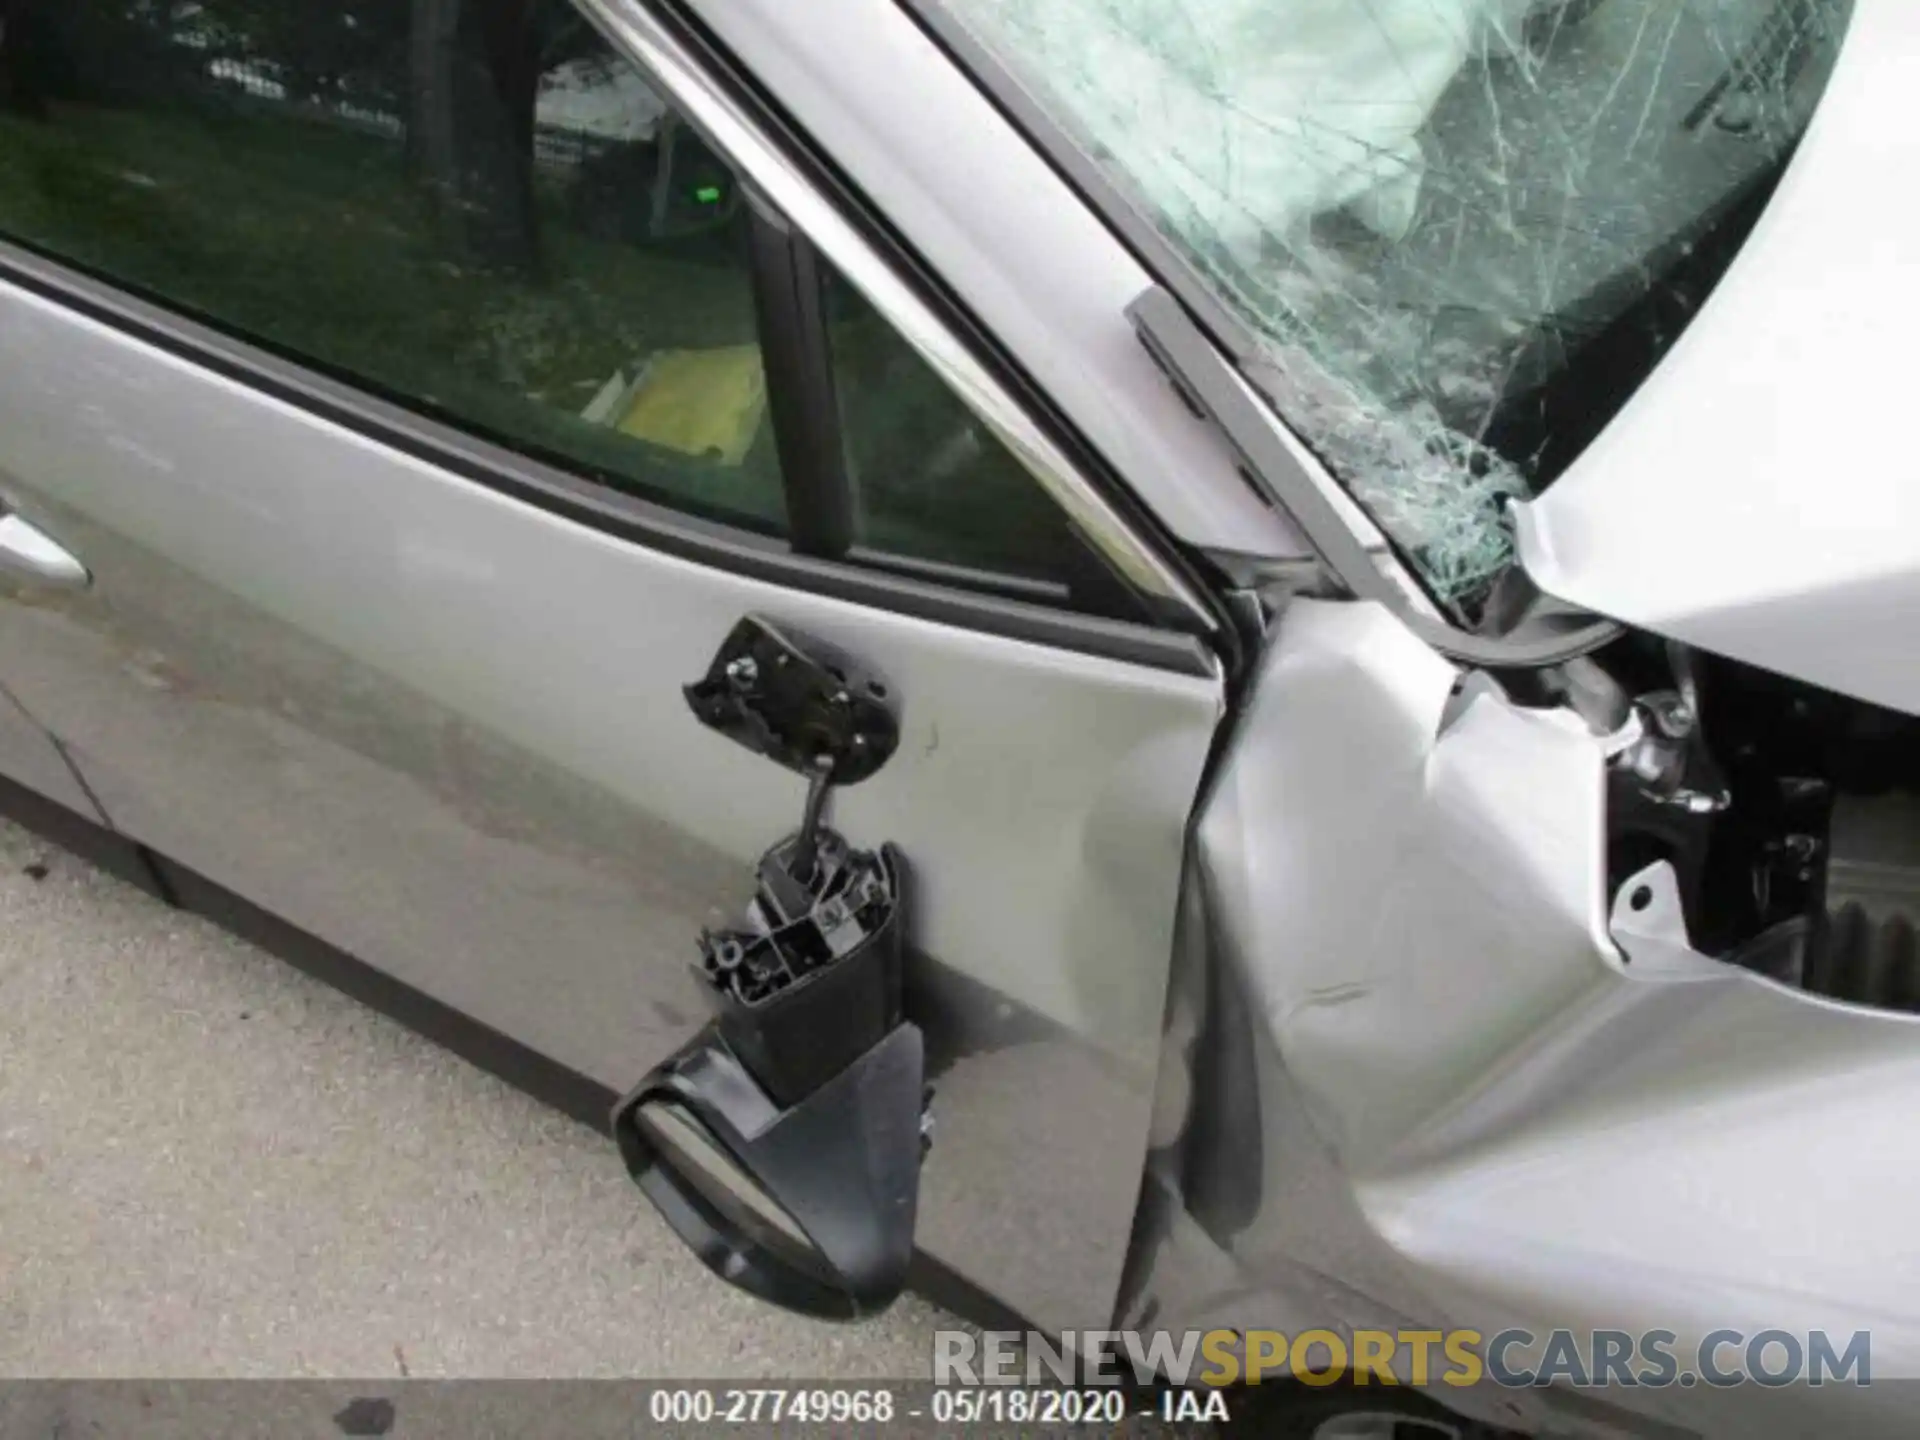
(1262, 897)
(1428, 1082)
(1757, 498)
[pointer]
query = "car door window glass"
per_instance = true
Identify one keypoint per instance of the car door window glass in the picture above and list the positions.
(474, 205)
(479, 210)
(931, 482)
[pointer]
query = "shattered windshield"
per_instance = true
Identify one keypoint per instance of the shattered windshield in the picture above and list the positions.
(1461, 231)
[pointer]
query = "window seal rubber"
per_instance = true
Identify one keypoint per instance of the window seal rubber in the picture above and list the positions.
(801, 394)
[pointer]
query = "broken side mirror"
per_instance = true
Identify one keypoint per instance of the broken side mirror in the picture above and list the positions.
(784, 1142)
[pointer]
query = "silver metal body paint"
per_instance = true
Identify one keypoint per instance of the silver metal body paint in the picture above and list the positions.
(29, 755)
(449, 739)
(1410, 1069)
(1445, 1092)
(1756, 497)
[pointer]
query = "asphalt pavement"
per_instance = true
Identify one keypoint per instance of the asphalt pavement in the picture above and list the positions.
(214, 1166)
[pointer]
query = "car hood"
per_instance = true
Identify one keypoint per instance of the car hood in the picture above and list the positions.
(1760, 496)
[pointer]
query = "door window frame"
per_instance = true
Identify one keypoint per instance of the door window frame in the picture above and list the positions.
(829, 221)
(820, 555)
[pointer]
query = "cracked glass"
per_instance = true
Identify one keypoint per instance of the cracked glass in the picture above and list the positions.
(1460, 232)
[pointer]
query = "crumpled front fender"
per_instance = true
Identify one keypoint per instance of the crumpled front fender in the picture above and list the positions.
(1414, 1076)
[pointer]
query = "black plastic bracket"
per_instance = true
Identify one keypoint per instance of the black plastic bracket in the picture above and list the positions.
(815, 982)
(798, 701)
(810, 1082)
(805, 1099)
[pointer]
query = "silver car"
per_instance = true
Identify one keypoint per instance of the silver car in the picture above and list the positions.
(1170, 665)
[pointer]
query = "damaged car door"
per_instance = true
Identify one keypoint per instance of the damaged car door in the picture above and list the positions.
(422, 458)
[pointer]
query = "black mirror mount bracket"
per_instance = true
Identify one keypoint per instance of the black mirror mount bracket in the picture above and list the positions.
(810, 1080)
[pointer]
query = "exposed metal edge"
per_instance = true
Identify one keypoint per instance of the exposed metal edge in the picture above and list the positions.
(582, 500)
(1215, 389)
(735, 132)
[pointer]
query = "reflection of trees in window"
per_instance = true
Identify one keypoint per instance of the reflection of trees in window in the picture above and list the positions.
(24, 57)
(460, 79)
(474, 69)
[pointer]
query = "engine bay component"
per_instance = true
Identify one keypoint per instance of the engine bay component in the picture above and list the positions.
(1868, 949)
(1788, 814)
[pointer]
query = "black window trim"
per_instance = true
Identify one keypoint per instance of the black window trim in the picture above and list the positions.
(580, 499)
(1174, 273)
(800, 384)
(719, 68)
(789, 281)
